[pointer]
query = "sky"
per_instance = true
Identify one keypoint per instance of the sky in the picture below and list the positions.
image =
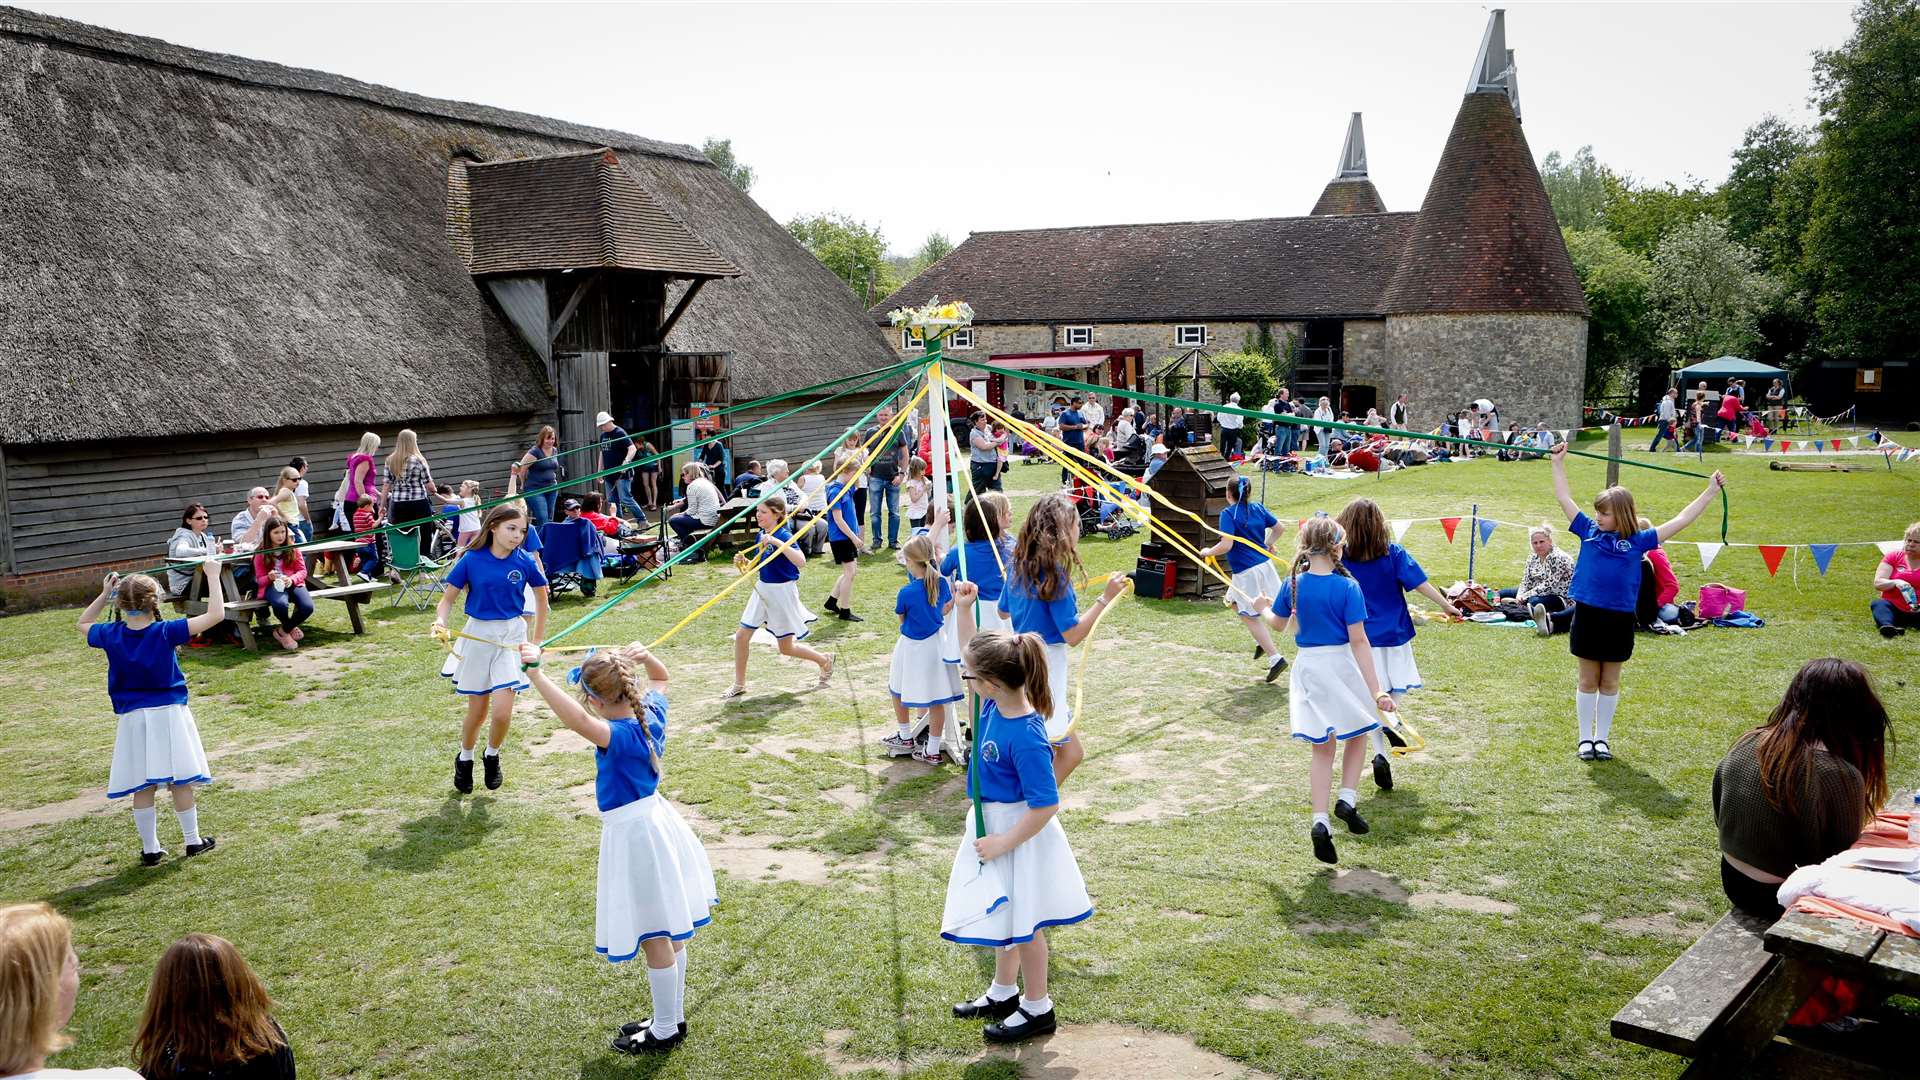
(962, 117)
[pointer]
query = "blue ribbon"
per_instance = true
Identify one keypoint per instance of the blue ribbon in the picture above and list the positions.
(573, 674)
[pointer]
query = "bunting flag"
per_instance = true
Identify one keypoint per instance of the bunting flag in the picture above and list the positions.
(1819, 446)
(1708, 553)
(1786, 445)
(1888, 547)
(1449, 524)
(1822, 555)
(1836, 444)
(1564, 433)
(1853, 441)
(1400, 529)
(1767, 444)
(1486, 529)
(1772, 553)
(1749, 439)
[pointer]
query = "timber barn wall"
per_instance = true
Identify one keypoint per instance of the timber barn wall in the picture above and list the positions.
(70, 506)
(801, 435)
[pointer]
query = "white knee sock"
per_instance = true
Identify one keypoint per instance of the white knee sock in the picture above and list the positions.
(189, 825)
(662, 982)
(1603, 726)
(147, 820)
(1588, 706)
(1379, 739)
(680, 992)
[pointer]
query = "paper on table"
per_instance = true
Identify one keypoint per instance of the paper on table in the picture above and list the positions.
(1892, 860)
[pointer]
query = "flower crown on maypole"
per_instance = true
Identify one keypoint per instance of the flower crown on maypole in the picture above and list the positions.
(933, 320)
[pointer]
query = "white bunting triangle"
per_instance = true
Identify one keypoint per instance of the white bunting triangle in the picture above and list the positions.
(1749, 439)
(1888, 547)
(1853, 441)
(1400, 528)
(1564, 434)
(1708, 553)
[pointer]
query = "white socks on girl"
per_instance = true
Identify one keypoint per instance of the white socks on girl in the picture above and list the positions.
(933, 746)
(147, 820)
(664, 983)
(1603, 723)
(680, 991)
(995, 992)
(1588, 707)
(1350, 797)
(189, 826)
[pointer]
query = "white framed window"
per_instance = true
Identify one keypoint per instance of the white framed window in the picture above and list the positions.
(910, 340)
(1190, 335)
(1077, 336)
(961, 338)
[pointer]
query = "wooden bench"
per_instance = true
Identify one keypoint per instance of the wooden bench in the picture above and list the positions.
(1722, 981)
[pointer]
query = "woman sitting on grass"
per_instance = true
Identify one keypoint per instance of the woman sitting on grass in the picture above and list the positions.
(1800, 788)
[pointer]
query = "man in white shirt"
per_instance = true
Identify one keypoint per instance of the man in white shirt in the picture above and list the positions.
(1397, 413)
(1094, 414)
(1230, 425)
(1668, 413)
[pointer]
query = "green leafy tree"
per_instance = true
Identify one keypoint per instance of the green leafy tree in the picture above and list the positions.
(1863, 238)
(1578, 188)
(1707, 292)
(1766, 154)
(720, 152)
(855, 252)
(934, 248)
(1641, 215)
(1620, 328)
(1249, 374)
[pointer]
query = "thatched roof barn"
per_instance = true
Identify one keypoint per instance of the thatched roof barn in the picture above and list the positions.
(211, 263)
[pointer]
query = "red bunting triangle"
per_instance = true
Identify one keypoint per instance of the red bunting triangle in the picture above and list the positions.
(1786, 445)
(1772, 553)
(1449, 524)
(1836, 444)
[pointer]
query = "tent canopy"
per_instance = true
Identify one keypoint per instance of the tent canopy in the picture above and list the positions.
(1730, 367)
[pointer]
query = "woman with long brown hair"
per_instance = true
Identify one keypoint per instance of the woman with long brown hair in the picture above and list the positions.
(208, 1017)
(1802, 786)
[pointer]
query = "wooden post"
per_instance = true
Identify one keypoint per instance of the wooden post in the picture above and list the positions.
(1613, 453)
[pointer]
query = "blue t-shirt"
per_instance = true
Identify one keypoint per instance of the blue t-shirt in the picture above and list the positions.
(626, 772)
(983, 569)
(1329, 603)
(1076, 438)
(1384, 583)
(613, 447)
(1030, 614)
(922, 620)
(496, 588)
(840, 497)
(1014, 762)
(779, 568)
(1249, 521)
(1606, 574)
(142, 672)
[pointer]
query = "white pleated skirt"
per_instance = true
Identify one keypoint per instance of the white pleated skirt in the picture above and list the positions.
(1394, 666)
(1059, 671)
(481, 667)
(775, 607)
(985, 619)
(1041, 880)
(920, 675)
(1261, 580)
(154, 746)
(655, 880)
(1327, 696)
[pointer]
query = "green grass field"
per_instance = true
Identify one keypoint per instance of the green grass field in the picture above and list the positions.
(1508, 901)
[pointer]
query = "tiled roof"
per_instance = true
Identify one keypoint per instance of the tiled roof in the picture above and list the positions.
(578, 211)
(1486, 239)
(1357, 196)
(1267, 268)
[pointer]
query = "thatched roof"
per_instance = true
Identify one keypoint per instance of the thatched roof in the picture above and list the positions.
(191, 242)
(1266, 268)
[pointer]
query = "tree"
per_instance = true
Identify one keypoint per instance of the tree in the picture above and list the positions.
(1578, 189)
(1249, 374)
(1640, 216)
(720, 152)
(854, 252)
(1863, 237)
(1706, 292)
(1620, 327)
(1767, 152)
(934, 248)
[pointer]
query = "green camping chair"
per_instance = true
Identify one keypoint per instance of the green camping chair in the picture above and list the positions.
(420, 577)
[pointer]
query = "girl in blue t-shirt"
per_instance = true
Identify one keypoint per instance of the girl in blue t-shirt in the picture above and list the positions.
(845, 538)
(157, 741)
(1017, 834)
(1386, 573)
(1333, 695)
(656, 885)
(920, 676)
(1606, 585)
(1038, 599)
(775, 605)
(497, 572)
(1249, 534)
(988, 552)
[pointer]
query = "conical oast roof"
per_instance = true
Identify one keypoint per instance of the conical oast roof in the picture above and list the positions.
(1486, 239)
(1350, 192)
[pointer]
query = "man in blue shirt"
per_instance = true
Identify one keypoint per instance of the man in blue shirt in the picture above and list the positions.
(617, 449)
(1073, 432)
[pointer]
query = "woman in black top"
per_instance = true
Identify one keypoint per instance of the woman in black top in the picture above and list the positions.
(1800, 788)
(209, 1018)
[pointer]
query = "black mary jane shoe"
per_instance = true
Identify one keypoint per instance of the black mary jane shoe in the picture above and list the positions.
(1035, 1026)
(195, 849)
(992, 1010)
(635, 1027)
(152, 858)
(1348, 813)
(1585, 752)
(492, 765)
(1323, 844)
(463, 775)
(1382, 772)
(645, 1041)
(1601, 751)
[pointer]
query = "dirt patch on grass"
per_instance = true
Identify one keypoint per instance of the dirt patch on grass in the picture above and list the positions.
(259, 747)
(1453, 901)
(1369, 883)
(1083, 1052)
(785, 747)
(563, 740)
(1381, 1031)
(1152, 811)
(263, 777)
(846, 795)
(1311, 927)
(325, 664)
(754, 857)
(54, 813)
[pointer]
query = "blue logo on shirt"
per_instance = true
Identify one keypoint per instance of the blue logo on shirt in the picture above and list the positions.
(989, 751)
(1623, 545)
(514, 576)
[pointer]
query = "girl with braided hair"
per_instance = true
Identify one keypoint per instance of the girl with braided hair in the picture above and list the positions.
(656, 885)
(1333, 693)
(1247, 527)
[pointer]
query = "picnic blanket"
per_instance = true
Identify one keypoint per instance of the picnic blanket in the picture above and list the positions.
(1835, 889)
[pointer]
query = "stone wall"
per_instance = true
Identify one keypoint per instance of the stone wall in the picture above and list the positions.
(1364, 357)
(1531, 366)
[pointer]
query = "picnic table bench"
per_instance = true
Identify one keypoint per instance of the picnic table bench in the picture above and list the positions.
(1726, 1000)
(332, 555)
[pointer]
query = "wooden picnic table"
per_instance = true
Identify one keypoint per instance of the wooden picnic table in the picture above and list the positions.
(332, 554)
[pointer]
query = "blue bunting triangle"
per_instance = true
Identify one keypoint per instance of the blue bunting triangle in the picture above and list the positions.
(1767, 443)
(1819, 445)
(1822, 555)
(1486, 529)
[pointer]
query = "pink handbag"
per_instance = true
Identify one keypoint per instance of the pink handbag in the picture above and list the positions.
(1718, 600)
